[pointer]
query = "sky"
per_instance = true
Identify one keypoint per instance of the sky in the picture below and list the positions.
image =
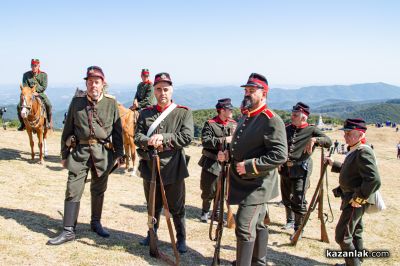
(292, 43)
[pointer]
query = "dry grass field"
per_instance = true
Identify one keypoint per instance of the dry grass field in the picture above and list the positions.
(31, 206)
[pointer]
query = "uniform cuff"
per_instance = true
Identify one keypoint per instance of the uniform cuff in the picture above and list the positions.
(250, 166)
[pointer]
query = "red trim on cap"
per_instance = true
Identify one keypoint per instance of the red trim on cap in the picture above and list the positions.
(260, 82)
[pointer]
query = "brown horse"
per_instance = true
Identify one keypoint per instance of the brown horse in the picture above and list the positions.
(128, 121)
(34, 115)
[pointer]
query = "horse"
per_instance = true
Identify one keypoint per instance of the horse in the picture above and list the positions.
(128, 121)
(34, 116)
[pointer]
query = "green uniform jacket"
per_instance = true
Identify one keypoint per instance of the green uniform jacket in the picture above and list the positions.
(359, 177)
(177, 130)
(212, 139)
(106, 127)
(297, 139)
(145, 95)
(40, 79)
(259, 141)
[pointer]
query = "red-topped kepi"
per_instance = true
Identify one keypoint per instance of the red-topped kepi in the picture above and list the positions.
(258, 81)
(35, 62)
(301, 107)
(145, 72)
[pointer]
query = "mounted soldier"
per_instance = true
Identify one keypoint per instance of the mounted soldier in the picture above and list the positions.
(144, 96)
(37, 78)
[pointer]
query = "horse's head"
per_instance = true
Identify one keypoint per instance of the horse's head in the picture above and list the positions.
(26, 100)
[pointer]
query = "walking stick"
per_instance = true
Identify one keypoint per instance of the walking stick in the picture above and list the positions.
(316, 199)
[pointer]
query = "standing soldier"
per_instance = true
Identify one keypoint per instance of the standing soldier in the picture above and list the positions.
(358, 181)
(91, 140)
(302, 139)
(216, 133)
(144, 96)
(258, 147)
(37, 78)
(169, 135)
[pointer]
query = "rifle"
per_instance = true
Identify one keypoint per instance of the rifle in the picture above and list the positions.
(316, 199)
(154, 251)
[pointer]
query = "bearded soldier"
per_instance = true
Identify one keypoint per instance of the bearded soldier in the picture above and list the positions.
(91, 140)
(258, 147)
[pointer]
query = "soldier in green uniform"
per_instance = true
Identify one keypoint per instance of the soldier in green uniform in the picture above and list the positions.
(258, 147)
(37, 78)
(358, 181)
(93, 121)
(144, 96)
(302, 139)
(216, 133)
(169, 135)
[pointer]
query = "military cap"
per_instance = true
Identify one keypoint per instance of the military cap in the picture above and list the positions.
(354, 124)
(145, 72)
(301, 107)
(163, 76)
(35, 62)
(258, 81)
(94, 71)
(224, 103)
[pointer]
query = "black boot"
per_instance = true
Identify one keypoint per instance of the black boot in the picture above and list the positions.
(97, 208)
(298, 221)
(21, 121)
(49, 119)
(180, 228)
(260, 248)
(289, 219)
(146, 240)
(71, 211)
(244, 251)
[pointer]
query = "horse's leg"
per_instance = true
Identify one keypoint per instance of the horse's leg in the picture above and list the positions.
(40, 144)
(126, 149)
(29, 130)
(133, 152)
(45, 142)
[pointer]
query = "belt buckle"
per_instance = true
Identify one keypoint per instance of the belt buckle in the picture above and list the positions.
(289, 163)
(92, 141)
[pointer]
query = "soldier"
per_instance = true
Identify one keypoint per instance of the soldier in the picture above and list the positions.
(358, 181)
(37, 78)
(144, 96)
(258, 147)
(93, 121)
(171, 134)
(216, 133)
(302, 139)
(336, 147)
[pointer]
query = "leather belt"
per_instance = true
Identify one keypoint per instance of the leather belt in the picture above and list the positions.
(293, 163)
(88, 141)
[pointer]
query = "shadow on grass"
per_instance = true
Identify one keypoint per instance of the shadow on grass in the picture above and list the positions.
(40, 223)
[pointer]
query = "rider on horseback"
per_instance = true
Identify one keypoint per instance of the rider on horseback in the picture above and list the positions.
(38, 78)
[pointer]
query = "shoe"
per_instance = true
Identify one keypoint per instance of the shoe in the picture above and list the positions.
(66, 235)
(21, 127)
(288, 226)
(145, 241)
(204, 217)
(181, 246)
(98, 228)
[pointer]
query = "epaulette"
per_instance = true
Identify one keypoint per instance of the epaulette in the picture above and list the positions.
(181, 106)
(109, 96)
(268, 113)
(79, 93)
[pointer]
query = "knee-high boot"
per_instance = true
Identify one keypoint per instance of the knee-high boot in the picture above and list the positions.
(97, 209)
(180, 227)
(259, 257)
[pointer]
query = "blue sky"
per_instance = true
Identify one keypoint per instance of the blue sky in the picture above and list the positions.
(204, 42)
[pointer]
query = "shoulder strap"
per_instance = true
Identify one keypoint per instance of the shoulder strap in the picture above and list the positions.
(160, 119)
